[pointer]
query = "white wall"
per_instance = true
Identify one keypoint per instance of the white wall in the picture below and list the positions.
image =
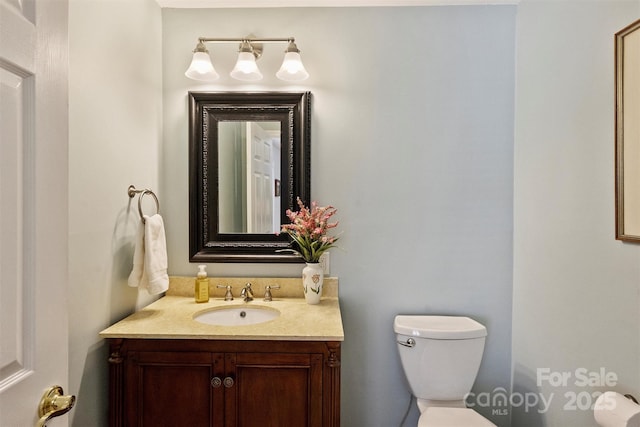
(575, 288)
(412, 137)
(115, 109)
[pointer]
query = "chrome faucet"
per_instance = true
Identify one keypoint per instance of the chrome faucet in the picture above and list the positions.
(247, 293)
(228, 296)
(267, 292)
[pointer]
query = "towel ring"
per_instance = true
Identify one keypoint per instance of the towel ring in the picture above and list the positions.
(132, 191)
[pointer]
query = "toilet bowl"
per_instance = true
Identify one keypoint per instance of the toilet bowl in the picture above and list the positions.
(441, 356)
(452, 417)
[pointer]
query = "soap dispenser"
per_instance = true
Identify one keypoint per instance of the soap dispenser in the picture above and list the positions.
(202, 285)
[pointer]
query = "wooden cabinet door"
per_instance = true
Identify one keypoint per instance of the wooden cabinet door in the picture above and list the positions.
(274, 390)
(169, 389)
(207, 383)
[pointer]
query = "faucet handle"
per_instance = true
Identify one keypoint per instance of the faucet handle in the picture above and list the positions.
(267, 292)
(228, 296)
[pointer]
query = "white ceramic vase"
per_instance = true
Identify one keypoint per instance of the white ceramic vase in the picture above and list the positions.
(312, 278)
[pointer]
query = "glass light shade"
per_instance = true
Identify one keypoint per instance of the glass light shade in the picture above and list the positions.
(292, 68)
(246, 68)
(201, 68)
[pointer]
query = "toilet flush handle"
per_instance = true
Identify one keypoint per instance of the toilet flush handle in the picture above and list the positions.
(410, 342)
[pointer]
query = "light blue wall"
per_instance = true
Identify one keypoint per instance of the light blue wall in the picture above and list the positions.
(420, 160)
(575, 288)
(115, 135)
(412, 141)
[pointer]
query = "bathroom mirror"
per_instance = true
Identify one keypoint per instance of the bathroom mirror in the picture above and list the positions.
(627, 134)
(249, 159)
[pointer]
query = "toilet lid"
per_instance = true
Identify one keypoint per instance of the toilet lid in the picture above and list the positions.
(452, 417)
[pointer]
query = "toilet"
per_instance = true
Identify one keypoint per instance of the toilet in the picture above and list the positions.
(441, 356)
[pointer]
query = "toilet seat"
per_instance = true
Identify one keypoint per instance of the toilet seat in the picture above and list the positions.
(452, 417)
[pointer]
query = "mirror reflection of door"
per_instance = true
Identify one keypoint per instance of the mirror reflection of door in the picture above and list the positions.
(248, 173)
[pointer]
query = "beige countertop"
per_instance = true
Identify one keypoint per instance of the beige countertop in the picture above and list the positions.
(171, 317)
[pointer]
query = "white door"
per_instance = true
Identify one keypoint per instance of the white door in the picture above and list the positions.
(260, 183)
(33, 207)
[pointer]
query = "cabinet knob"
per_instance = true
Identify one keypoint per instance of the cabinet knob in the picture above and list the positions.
(228, 382)
(216, 382)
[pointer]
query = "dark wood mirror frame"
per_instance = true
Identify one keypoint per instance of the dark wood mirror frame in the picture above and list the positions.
(206, 110)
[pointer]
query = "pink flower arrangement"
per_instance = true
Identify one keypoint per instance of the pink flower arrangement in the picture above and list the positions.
(308, 230)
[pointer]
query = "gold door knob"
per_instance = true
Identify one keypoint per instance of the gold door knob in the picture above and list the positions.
(53, 404)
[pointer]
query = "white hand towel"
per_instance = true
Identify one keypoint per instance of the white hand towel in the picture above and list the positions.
(155, 255)
(150, 257)
(137, 276)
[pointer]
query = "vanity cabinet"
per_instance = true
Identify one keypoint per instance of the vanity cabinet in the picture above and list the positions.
(223, 383)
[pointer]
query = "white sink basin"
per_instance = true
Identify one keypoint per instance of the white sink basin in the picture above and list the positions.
(235, 316)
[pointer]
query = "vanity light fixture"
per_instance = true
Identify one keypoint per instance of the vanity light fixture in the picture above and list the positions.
(246, 68)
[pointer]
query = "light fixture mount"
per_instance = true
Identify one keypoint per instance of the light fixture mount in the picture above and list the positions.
(254, 46)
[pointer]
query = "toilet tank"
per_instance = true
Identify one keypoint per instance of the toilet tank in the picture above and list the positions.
(440, 355)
